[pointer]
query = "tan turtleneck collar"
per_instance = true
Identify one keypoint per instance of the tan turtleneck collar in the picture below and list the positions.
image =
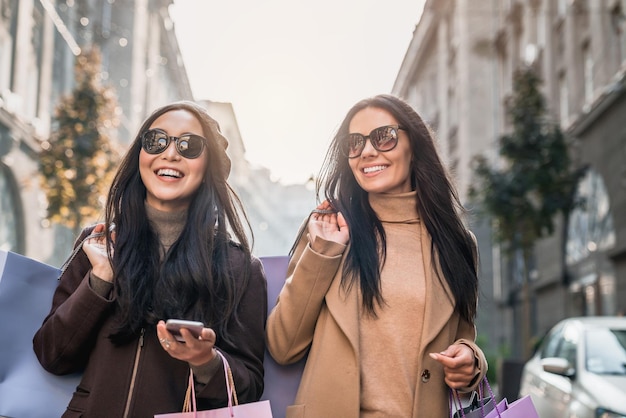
(395, 333)
(396, 207)
(168, 225)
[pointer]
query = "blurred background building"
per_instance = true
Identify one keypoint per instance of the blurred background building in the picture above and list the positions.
(458, 73)
(141, 60)
(275, 211)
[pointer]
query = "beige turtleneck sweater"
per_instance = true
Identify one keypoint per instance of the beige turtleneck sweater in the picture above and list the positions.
(390, 343)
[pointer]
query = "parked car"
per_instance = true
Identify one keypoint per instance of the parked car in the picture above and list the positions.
(579, 370)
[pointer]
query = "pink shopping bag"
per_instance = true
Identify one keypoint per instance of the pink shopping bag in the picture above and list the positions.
(260, 409)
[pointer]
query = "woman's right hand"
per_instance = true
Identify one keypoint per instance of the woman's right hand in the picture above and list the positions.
(95, 248)
(328, 224)
(195, 351)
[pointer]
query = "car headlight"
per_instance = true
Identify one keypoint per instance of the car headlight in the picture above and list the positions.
(605, 413)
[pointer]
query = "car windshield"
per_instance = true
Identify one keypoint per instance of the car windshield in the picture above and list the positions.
(606, 351)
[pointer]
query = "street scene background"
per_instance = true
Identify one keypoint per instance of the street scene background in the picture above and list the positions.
(458, 65)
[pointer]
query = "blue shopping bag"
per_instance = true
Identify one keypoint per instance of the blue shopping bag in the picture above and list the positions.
(26, 389)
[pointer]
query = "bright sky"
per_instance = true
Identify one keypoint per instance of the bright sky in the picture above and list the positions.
(292, 69)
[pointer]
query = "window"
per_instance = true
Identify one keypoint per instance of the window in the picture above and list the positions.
(618, 22)
(541, 20)
(35, 57)
(562, 8)
(606, 351)
(569, 345)
(588, 72)
(8, 216)
(563, 99)
(551, 343)
(8, 23)
(590, 228)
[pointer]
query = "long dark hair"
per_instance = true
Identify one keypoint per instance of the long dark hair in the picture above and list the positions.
(437, 203)
(194, 280)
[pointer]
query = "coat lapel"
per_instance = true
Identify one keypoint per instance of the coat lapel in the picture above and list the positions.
(439, 304)
(344, 308)
(439, 299)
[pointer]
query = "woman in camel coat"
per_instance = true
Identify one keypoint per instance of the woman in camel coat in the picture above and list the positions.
(381, 290)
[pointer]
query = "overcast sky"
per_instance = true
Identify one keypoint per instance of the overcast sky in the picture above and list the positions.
(292, 69)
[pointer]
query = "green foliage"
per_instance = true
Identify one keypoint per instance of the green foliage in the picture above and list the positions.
(492, 357)
(78, 161)
(535, 181)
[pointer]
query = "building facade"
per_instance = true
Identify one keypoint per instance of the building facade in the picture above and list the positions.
(39, 41)
(458, 73)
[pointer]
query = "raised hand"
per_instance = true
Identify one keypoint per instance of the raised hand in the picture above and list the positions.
(328, 224)
(95, 248)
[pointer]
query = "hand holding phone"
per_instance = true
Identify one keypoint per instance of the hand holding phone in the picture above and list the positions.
(174, 326)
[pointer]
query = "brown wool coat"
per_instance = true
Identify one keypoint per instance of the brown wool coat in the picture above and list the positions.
(314, 315)
(74, 337)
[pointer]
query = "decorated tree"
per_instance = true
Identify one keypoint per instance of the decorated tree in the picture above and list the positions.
(531, 183)
(78, 161)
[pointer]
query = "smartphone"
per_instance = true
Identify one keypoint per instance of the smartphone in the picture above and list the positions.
(174, 326)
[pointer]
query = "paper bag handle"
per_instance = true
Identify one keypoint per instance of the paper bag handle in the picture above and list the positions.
(455, 399)
(190, 397)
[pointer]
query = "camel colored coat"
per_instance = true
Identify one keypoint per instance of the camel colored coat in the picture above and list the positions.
(315, 315)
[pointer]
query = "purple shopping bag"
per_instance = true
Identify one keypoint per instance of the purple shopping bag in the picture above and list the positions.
(521, 408)
(281, 382)
(481, 402)
(26, 389)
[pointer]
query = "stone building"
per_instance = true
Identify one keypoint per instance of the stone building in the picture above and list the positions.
(457, 72)
(39, 41)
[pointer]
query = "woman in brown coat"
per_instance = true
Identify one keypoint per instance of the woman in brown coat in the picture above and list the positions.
(381, 291)
(164, 251)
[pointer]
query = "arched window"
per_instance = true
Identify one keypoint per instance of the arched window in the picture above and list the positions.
(590, 227)
(590, 235)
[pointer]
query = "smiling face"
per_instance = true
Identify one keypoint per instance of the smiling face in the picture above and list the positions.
(375, 171)
(170, 179)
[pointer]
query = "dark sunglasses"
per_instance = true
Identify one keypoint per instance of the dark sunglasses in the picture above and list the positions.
(383, 139)
(155, 141)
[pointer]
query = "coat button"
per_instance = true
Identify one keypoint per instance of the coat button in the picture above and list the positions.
(425, 375)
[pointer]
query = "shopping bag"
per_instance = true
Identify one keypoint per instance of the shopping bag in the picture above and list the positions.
(281, 381)
(260, 409)
(26, 389)
(482, 406)
(479, 405)
(521, 408)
